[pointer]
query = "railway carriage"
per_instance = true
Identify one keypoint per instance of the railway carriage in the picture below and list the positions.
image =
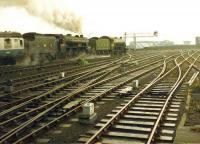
(11, 47)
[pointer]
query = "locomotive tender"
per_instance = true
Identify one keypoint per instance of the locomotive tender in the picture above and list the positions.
(108, 45)
(44, 47)
(47, 47)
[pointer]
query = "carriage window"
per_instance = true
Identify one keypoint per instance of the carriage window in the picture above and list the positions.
(7, 41)
(21, 43)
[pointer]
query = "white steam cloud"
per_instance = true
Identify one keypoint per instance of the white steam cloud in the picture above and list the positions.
(51, 11)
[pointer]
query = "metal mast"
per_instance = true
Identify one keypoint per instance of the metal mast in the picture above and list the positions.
(137, 35)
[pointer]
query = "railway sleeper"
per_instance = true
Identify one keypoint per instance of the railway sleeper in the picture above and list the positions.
(133, 137)
(137, 129)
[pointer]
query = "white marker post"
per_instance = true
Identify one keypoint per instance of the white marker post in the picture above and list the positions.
(136, 63)
(62, 74)
(136, 83)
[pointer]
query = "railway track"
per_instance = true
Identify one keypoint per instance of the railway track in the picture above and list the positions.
(13, 68)
(18, 72)
(23, 82)
(22, 121)
(5, 99)
(12, 99)
(33, 79)
(37, 78)
(55, 69)
(17, 97)
(57, 106)
(149, 116)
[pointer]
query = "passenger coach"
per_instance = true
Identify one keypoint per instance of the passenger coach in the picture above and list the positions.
(11, 47)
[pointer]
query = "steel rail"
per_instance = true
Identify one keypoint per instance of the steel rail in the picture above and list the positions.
(55, 81)
(79, 106)
(125, 108)
(37, 110)
(54, 72)
(50, 91)
(48, 110)
(121, 111)
(42, 77)
(150, 139)
(49, 104)
(68, 79)
(36, 77)
(59, 64)
(35, 97)
(179, 76)
(194, 66)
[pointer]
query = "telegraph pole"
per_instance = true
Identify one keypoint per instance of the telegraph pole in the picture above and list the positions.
(135, 40)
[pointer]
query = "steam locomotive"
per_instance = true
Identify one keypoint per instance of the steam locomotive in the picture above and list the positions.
(38, 48)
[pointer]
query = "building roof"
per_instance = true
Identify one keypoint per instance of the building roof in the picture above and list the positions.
(10, 34)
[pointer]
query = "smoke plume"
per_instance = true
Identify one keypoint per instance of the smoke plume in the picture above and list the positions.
(50, 11)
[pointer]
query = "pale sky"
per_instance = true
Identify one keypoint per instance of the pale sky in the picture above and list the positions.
(176, 20)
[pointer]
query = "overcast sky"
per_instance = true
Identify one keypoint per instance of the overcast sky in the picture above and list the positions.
(176, 20)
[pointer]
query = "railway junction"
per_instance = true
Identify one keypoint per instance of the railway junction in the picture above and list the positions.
(99, 72)
(144, 96)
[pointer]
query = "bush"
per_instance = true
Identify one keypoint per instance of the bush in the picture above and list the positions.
(196, 89)
(82, 61)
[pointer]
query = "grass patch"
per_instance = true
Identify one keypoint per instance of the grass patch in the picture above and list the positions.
(82, 61)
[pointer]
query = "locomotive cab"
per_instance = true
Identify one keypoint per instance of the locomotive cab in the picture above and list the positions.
(40, 48)
(74, 45)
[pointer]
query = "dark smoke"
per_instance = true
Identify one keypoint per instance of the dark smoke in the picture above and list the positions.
(63, 19)
(66, 20)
